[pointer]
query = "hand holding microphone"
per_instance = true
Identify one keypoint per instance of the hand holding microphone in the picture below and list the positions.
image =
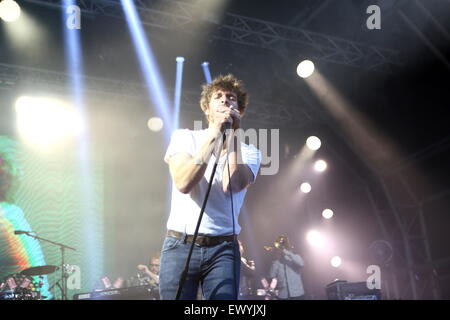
(227, 118)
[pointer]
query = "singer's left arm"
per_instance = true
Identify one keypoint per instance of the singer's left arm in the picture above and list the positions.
(241, 175)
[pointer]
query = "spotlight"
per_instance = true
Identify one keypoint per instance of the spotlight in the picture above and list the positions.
(313, 143)
(336, 261)
(155, 124)
(206, 71)
(177, 96)
(9, 10)
(381, 251)
(316, 239)
(149, 65)
(327, 213)
(320, 166)
(305, 187)
(44, 121)
(305, 68)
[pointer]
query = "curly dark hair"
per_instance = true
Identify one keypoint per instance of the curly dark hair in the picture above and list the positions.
(226, 83)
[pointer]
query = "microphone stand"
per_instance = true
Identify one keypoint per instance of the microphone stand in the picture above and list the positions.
(191, 249)
(62, 247)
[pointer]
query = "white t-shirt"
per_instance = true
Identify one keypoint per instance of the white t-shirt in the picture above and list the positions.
(185, 208)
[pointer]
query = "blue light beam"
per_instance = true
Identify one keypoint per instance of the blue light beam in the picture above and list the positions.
(91, 233)
(153, 80)
(205, 66)
(177, 98)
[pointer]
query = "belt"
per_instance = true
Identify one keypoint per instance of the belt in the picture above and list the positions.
(203, 241)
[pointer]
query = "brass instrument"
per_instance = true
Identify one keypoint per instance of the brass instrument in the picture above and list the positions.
(282, 242)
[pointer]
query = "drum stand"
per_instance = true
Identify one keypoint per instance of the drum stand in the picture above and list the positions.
(62, 247)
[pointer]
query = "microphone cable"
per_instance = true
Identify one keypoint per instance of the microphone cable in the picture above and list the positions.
(185, 271)
(236, 280)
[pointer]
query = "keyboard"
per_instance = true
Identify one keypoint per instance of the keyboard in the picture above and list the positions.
(130, 293)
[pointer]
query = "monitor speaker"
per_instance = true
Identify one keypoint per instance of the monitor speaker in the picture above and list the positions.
(343, 290)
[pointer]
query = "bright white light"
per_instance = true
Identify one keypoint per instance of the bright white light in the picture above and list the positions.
(316, 239)
(305, 68)
(26, 30)
(336, 261)
(327, 213)
(320, 166)
(305, 187)
(44, 121)
(179, 59)
(155, 124)
(9, 10)
(313, 143)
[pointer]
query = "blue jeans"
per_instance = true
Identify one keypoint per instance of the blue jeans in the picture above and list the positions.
(210, 267)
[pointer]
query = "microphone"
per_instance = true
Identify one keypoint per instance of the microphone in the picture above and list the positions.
(21, 232)
(227, 126)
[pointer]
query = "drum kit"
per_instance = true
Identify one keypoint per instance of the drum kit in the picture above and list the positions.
(22, 290)
(25, 285)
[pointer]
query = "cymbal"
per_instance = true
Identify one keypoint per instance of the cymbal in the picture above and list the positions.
(39, 271)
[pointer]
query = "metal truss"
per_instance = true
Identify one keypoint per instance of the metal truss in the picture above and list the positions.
(417, 273)
(427, 41)
(416, 270)
(249, 31)
(178, 15)
(15, 77)
(413, 273)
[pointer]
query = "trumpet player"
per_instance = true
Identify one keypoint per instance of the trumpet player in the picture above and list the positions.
(285, 271)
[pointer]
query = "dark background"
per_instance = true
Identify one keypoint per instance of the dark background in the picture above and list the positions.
(408, 106)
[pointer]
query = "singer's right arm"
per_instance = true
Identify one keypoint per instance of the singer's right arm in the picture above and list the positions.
(187, 171)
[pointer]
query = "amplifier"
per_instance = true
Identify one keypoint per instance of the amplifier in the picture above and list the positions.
(343, 290)
(130, 293)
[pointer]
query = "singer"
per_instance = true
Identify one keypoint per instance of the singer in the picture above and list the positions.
(191, 155)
